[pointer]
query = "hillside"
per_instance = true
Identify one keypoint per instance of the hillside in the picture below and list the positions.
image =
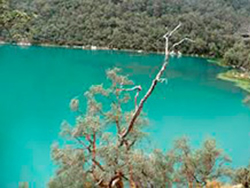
(215, 25)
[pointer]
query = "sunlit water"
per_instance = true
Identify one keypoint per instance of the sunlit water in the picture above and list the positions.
(37, 84)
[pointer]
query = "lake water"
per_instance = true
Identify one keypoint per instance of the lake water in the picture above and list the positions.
(37, 84)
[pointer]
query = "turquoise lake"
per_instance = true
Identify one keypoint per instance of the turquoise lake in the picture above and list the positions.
(37, 84)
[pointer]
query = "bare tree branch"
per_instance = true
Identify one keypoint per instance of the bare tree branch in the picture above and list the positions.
(83, 144)
(131, 89)
(169, 34)
(98, 164)
(181, 41)
(138, 89)
(153, 84)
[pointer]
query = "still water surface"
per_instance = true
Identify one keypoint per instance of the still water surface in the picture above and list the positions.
(37, 84)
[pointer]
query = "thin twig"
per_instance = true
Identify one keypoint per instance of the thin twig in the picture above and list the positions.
(138, 89)
(169, 34)
(181, 41)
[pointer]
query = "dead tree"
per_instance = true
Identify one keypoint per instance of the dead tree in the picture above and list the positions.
(158, 78)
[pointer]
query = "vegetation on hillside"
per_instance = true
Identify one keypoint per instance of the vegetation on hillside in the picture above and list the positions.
(216, 25)
(13, 23)
(238, 56)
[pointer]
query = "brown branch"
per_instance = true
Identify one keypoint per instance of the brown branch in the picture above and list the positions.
(152, 87)
(132, 143)
(130, 167)
(94, 161)
(117, 120)
(98, 164)
(100, 182)
(83, 144)
(116, 181)
(94, 150)
(144, 99)
(137, 88)
(117, 125)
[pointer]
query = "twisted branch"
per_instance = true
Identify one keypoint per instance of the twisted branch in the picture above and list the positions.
(152, 87)
(181, 41)
(138, 89)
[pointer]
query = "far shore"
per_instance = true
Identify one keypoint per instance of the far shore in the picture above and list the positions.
(86, 47)
(93, 47)
(240, 79)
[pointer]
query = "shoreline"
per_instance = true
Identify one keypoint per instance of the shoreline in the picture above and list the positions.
(92, 47)
(241, 80)
(238, 77)
(86, 47)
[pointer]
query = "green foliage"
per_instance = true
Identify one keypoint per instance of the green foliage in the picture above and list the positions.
(92, 154)
(215, 25)
(238, 56)
(23, 185)
(137, 24)
(242, 176)
(197, 167)
(13, 23)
